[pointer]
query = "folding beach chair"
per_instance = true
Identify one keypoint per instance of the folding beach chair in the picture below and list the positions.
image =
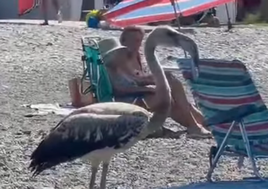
(95, 72)
(233, 109)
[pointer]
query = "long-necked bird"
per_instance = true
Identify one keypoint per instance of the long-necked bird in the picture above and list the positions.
(97, 132)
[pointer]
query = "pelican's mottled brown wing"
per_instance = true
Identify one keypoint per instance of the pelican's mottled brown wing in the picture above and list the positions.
(109, 108)
(80, 134)
(113, 108)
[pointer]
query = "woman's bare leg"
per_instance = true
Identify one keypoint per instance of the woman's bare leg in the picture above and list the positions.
(197, 114)
(44, 7)
(178, 94)
(57, 7)
(163, 132)
(181, 116)
(187, 119)
(182, 111)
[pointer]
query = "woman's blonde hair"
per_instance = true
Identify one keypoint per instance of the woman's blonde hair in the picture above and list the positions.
(128, 30)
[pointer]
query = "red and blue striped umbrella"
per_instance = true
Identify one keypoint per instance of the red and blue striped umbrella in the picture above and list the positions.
(26, 6)
(164, 11)
(127, 6)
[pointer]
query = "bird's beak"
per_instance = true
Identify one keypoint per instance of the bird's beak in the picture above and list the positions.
(190, 46)
(195, 64)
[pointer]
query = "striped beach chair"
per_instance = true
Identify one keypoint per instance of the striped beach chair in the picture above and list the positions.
(233, 109)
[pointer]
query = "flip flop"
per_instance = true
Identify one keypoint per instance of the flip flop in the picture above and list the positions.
(44, 24)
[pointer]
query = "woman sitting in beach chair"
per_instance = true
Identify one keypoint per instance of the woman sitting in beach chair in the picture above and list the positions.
(128, 78)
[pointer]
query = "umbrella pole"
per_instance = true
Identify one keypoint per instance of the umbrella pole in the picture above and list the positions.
(176, 14)
(177, 19)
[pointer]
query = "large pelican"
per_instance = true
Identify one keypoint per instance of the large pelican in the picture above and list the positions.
(97, 132)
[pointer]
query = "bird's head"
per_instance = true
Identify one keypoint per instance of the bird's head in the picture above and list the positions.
(168, 36)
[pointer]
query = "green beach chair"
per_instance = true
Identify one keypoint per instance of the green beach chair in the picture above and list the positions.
(233, 110)
(95, 72)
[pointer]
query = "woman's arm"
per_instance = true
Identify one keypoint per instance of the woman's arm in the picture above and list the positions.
(148, 79)
(144, 80)
(122, 90)
(132, 90)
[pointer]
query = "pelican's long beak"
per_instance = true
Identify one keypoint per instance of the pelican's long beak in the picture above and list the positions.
(195, 65)
(190, 46)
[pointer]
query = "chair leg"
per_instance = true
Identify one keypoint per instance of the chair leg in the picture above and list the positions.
(248, 149)
(143, 101)
(220, 151)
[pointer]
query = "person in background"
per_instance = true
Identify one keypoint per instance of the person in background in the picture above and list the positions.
(56, 5)
(129, 75)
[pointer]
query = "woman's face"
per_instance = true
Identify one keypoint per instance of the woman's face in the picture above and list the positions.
(133, 40)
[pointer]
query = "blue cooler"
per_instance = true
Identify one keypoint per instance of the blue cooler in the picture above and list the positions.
(93, 22)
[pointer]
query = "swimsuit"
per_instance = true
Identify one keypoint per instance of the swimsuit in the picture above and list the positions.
(125, 81)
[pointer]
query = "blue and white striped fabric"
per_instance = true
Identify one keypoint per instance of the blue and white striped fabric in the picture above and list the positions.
(224, 85)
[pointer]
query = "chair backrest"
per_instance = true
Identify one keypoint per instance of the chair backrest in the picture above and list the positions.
(224, 85)
(95, 71)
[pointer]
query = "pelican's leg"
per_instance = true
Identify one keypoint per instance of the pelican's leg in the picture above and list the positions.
(105, 167)
(94, 170)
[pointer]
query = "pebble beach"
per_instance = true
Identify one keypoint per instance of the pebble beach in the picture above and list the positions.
(36, 63)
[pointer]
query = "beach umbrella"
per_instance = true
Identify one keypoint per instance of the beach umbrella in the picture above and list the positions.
(127, 6)
(25, 6)
(165, 10)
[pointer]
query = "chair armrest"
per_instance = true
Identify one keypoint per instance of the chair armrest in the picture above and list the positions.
(235, 114)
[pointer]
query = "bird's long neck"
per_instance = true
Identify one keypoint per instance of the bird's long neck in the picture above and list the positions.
(162, 87)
